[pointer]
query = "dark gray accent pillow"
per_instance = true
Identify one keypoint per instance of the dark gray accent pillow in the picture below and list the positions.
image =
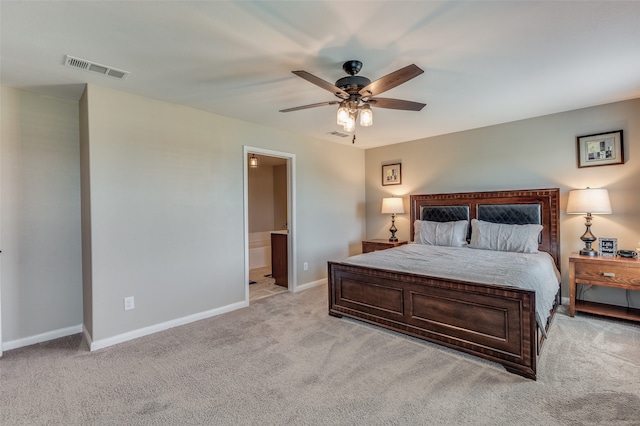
(444, 213)
(512, 214)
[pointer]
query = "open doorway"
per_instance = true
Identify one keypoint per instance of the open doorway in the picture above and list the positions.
(268, 223)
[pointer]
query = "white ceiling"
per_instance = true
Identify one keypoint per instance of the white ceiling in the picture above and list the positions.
(485, 62)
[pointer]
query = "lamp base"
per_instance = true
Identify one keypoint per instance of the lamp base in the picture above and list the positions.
(588, 238)
(393, 229)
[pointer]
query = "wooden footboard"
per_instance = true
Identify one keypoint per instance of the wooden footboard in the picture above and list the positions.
(491, 322)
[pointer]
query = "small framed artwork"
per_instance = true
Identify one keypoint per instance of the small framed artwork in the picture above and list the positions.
(392, 174)
(602, 149)
(608, 246)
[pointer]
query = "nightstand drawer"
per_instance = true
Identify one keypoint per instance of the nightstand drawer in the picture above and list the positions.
(606, 274)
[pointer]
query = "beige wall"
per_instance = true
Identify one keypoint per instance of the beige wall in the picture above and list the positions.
(162, 210)
(167, 214)
(534, 153)
(280, 207)
(41, 273)
(260, 199)
(267, 197)
(85, 213)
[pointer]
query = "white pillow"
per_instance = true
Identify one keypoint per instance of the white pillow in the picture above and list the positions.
(503, 237)
(452, 234)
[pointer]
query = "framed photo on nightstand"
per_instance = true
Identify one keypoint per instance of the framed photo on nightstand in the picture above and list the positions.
(608, 246)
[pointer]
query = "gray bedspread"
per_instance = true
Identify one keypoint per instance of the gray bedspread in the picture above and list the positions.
(527, 271)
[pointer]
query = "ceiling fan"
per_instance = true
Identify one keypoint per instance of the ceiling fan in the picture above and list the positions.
(356, 93)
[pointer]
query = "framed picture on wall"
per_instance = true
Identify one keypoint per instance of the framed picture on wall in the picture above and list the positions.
(392, 174)
(602, 149)
(608, 246)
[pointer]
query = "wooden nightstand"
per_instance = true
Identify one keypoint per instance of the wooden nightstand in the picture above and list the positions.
(380, 244)
(608, 271)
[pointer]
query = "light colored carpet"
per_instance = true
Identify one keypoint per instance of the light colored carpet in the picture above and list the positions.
(283, 360)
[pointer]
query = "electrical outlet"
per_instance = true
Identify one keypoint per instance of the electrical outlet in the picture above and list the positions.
(305, 266)
(129, 303)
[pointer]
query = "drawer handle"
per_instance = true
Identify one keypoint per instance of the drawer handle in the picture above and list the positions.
(608, 274)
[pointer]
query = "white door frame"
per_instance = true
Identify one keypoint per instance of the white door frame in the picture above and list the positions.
(291, 213)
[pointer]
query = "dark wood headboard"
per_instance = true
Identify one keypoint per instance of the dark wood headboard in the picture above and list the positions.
(547, 199)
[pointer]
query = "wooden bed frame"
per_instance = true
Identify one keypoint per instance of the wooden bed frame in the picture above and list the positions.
(493, 322)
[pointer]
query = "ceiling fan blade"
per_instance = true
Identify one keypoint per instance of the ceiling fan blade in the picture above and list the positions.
(322, 83)
(390, 81)
(310, 106)
(395, 104)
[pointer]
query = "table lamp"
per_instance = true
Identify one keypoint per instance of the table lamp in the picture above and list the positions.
(393, 206)
(588, 201)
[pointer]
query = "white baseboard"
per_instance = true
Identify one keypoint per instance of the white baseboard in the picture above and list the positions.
(87, 335)
(309, 285)
(564, 300)
(42, 337)
(134, 334)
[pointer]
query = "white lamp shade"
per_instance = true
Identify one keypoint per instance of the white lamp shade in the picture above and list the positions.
(590, 200)
(392, 205)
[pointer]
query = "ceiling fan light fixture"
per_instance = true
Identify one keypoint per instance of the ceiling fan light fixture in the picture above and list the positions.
(350, 124)
(358, 93)
(366, 116)
(343, 114)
